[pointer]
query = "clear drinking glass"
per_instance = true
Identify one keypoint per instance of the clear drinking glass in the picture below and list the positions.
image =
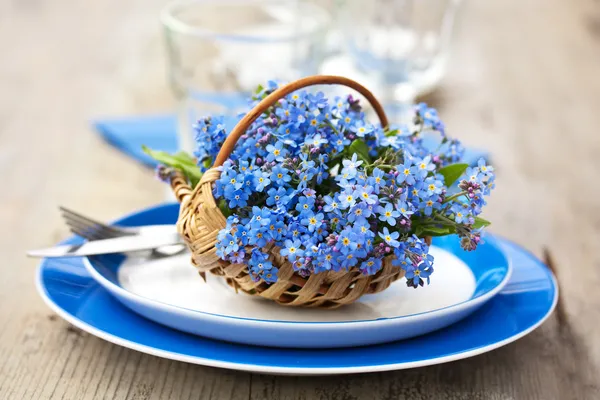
(400, 46)
(219, 51)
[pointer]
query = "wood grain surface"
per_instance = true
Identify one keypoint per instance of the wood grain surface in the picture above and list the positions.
(524, 82)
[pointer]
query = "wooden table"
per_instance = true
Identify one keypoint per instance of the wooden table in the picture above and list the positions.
(524, 82)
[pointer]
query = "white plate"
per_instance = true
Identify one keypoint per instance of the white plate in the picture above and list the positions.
(169, 291)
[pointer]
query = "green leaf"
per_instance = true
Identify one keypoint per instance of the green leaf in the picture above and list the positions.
(181, 161)
(418, 230)
(388, 133)
(361, 150)
(437, 231)
(452, 172)
(480, 223)
(185, 157)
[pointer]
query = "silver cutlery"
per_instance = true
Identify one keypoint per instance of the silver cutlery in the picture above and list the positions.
(124, 244)
(92, 229)
(160, 240)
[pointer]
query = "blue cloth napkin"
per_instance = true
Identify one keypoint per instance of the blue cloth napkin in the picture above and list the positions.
(159, 132)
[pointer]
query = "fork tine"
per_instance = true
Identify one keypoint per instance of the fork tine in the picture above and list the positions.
(91, 232)
(71, 215)
(85, 235)
(75, 215)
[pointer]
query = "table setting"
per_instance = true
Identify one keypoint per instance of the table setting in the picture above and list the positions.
(280, 250)
(322, 208)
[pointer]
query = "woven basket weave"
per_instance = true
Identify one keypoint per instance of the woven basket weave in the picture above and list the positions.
(200, 221)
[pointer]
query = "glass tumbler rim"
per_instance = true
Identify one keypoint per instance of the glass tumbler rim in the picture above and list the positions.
(175, 24)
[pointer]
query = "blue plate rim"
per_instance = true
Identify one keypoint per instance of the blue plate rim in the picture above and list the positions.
(472, 302)
(284, 369)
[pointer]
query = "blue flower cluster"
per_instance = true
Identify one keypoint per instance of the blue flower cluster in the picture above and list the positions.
(332, 191)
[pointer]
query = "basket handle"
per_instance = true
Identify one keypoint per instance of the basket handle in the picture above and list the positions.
(283, 91)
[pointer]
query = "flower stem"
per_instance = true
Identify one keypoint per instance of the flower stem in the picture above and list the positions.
(454, 196)
(330, 124)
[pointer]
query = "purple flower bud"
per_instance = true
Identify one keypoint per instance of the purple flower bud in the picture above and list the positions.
(259, 161)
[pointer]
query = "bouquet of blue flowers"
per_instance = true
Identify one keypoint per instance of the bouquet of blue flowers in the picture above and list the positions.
(313, 188)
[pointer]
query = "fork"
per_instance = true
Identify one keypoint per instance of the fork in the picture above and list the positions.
(91, 229)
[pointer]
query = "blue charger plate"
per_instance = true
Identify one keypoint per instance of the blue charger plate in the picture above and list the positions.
(524, 303)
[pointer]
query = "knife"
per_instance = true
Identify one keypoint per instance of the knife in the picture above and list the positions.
(109, 246)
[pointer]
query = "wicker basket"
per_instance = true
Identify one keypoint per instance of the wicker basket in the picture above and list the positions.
(200, 221)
